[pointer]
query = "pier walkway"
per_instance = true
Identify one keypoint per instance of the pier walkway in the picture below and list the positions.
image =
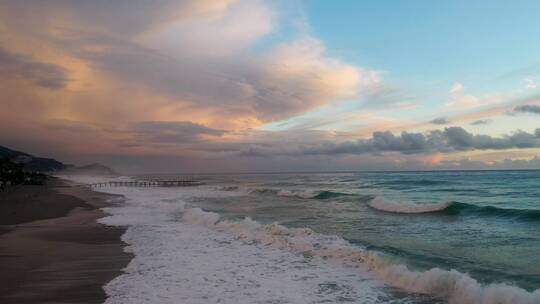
(149, 183)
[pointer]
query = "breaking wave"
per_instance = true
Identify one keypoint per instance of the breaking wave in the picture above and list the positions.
(304, 194)
(380, 203)
(452, 285)
(455, 208)
(515, 214)
(228, 188)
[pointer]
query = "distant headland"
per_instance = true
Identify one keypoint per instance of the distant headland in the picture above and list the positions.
(33, 163)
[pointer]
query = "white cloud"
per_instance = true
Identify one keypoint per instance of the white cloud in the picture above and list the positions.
(457, 88)
(299, 76)
(531, 84)
(228, 30)
(464, 102)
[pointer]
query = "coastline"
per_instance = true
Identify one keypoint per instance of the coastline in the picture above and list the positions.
(51, 247)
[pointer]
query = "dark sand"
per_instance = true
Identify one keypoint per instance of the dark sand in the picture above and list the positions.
(56, 252)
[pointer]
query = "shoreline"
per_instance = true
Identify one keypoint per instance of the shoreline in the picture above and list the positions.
(51, 247)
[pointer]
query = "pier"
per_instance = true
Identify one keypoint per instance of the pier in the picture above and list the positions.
(186, 182)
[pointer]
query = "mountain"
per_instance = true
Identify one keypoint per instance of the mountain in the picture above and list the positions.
(5, 152)
(30, 162)
(40, 164)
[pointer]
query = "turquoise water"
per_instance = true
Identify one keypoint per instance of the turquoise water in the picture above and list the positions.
(485, 224)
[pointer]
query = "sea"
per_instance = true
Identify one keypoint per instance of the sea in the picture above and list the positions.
(356, 237)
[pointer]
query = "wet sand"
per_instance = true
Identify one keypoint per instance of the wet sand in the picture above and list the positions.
(51, 248)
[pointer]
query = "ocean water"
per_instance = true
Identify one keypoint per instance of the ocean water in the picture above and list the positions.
(393, 237)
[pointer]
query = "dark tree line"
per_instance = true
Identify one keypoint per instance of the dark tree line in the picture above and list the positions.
(12, 173)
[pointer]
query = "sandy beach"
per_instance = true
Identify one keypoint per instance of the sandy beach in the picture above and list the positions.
(52, 249)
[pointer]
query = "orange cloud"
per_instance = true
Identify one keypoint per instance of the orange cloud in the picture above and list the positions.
(107, 67)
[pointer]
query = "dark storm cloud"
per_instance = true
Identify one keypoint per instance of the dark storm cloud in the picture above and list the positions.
(440, 121)
(13, 66)
(252, 151)
(448, 140)
(527, 109)
(172, 132)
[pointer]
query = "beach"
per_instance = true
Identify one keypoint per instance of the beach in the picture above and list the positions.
(51, 247)
(381, 238)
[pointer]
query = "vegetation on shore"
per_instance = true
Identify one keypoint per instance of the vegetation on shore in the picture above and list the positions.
(12, 173)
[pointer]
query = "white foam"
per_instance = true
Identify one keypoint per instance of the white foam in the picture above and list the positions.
(380, 203)
(187, 255)
(181, 256)
(456, 287)
(294, 193)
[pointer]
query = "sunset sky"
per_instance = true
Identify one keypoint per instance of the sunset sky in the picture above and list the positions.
(248, 85)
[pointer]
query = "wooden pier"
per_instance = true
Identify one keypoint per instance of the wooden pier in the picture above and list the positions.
(149, 183)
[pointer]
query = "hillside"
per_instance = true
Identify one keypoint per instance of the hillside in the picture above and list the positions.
(41, 164)
(31, 162)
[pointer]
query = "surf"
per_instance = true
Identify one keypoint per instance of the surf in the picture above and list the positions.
(454, 208)
(300, 194)
(452, 285)
(382, 204)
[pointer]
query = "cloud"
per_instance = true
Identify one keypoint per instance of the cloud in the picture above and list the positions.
(466, 101)
(457, 88)
(171, 132)
(440, 121)
(252, 151)
(298, 76)
(214, 63)
(531, 84)
(13, 66)
(232, 27)
(451, 139)
(195, 78)
(380, 96)
(534, 109)
(70, 126)
(128, 18)
(481, 122)
(288, 80)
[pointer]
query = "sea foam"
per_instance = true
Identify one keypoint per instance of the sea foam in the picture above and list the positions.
(188, 255)
(298, 193)
(456, 287)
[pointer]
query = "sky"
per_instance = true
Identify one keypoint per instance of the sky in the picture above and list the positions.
(269, 86)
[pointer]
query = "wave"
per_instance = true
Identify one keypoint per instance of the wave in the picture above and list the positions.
(228, 188)
(264, 191)
(413, 182)
(452, 285)
(304, 194)
(380, 203)
(455, 208)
